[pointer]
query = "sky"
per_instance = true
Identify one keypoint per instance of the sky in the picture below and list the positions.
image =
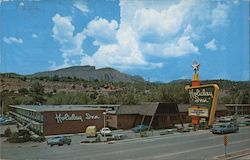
(156, 39)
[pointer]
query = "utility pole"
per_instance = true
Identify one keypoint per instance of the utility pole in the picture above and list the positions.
(2, 106)
(225, 143)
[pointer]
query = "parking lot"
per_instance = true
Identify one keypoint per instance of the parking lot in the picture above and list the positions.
(116, 135)
(82, 138)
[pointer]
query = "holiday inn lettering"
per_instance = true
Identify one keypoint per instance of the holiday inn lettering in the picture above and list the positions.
(201, 96)
(64, 122)
(60, 118)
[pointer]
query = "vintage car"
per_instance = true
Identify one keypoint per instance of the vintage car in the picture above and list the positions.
(106, 131)
(140, 128)
(7, 121)
(244, 123)
(224, 128)
(60, 140)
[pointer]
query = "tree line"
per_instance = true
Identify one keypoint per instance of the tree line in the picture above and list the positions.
(125, 93)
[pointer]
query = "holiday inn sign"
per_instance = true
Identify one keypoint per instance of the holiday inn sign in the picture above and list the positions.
(202, 96)
(205, 98)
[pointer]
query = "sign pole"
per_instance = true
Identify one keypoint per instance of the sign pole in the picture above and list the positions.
(195, 82)
(225, 150)
(225, 143)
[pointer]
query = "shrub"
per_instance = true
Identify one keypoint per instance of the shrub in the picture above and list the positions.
(19, 137)
(7, 132)
(13, 138)
(38, 139)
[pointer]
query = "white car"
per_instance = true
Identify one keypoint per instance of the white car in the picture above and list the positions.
(106, 131)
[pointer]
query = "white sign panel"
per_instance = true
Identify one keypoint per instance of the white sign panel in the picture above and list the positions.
(200, 112)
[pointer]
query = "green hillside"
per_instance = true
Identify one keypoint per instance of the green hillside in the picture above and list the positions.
(17, 89)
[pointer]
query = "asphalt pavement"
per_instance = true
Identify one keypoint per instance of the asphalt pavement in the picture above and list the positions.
(190, 145)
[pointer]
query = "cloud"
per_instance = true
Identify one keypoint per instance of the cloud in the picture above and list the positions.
(34, 35)
(211, 45)
(146, 30)
(80, 5)
(223, 75)
(2, 1)
(180, 48)
(189, 31)
(127, 45)
(10, 40)
(124, 54)
(102, 30)
(219, 16)
(161, 22)
(63, 32)
(53, 65)
(21, 4)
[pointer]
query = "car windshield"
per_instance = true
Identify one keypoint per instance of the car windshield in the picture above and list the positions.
(223, 126)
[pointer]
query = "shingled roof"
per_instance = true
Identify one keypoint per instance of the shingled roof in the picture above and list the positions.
(147, 109)
(151, 108)
(128, 109)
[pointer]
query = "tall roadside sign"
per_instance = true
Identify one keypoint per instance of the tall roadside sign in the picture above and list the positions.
(203, 99)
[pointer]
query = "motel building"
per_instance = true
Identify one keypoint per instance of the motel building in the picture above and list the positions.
(59, 119)
(71, 119)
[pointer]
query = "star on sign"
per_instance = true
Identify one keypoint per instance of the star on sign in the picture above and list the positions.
(195, 66)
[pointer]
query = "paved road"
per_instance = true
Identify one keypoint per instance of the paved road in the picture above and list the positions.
(193, 145)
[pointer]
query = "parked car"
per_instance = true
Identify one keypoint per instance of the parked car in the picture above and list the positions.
(106, 131)
(60, 140)
(247, 116)
(224, 128)
(244, 123)
(7, 121)
(140, 128)
(226, 119)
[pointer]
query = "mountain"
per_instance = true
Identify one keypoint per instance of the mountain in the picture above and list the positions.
(180, 81)
(90, 73)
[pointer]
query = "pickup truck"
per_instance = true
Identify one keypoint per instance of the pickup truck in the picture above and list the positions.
(60, 140)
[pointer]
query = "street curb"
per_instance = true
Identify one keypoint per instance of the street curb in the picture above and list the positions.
(233, 155)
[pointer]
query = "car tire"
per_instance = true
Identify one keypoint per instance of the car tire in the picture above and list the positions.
(51, 145)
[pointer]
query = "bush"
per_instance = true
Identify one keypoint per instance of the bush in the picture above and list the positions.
(38, 139)
(23, 91)
(13, 138)
(7, 132)
(19, 137)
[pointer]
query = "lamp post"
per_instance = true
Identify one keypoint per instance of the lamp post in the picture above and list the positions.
(104, 121)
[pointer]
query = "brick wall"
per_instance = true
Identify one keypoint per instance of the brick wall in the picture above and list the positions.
(77, 121)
